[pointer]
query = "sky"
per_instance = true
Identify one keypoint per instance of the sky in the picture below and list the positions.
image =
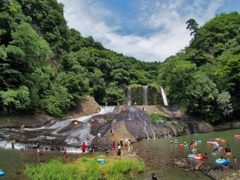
(149, 30)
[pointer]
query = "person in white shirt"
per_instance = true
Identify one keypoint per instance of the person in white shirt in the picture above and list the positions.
(98, 136)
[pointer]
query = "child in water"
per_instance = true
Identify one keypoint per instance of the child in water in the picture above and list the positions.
(234, 161)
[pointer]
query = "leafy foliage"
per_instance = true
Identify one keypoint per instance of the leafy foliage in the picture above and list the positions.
(204, 78)
(55, 64)
(86, 168)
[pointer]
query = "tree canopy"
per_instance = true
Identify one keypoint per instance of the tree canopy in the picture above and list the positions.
(45, 66)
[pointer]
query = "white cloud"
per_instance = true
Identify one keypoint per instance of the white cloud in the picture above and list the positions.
(163, 21)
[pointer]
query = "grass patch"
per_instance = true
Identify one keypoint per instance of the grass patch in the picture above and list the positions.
(84, 169)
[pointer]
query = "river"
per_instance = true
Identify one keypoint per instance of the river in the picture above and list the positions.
(12, 161)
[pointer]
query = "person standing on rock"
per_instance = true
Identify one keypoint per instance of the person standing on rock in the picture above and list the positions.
(121, 143)
(129, 145)
(22, 127)
(83, 147)
(113, 145)
(38, 147)
(118, 151)
(65, 151)
(99, 137)
(13, 141)
(92, 147)
(112, 132)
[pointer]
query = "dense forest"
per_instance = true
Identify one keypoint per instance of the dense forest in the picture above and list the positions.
(48, 67)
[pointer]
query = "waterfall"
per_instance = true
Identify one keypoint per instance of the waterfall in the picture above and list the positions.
(165, 102)
(145, 130)
(129, 99)
(153, 133)
(145, 95)
(148, 128)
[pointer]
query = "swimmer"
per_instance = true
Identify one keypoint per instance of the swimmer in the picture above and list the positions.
(192, 154)
(205, 156)
(234, 161)
(199, 154)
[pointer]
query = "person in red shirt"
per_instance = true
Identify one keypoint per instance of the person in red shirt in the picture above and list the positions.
(84, 147)
(113, 146)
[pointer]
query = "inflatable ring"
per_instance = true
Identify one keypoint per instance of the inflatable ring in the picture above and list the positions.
(180, 144)
(220, 161)
(196, 157)
(237, 136)
(1, 172)
(209, 142)
(199, 141)
(191, 156)
(220, 148)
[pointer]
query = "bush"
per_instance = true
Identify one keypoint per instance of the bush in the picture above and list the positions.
(84, 169)
(54, 169)
(157, 117)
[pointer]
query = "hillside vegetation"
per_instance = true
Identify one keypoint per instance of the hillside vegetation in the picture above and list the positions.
(48, 67)
(204, 77)
(45, 66)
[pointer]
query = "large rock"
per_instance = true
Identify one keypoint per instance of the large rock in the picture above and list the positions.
(86, 107)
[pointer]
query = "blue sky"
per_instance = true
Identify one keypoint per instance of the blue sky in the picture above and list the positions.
(149, 30)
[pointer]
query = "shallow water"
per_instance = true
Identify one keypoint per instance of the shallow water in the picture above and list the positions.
(160, 146)
(12, 161)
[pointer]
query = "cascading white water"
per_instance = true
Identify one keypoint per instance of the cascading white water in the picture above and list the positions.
(129, 98)
(153, 133)
(148, 128)
(145, 95)
(145, 130)
(165, 102)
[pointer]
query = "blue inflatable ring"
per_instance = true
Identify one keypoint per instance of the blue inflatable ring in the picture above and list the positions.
(191, 156)
(219, 161)
(1, 172)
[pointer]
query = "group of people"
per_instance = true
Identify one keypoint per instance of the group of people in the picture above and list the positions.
(227, 150)
(119, 147)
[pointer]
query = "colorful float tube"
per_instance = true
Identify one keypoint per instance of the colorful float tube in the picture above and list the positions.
(220, 148)
(1, 172)
(199, 141)
(194, 150)
(220, 161)
(212, 142)
(237, 136)
(191, 156)
(181, 144)
(197, 157)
